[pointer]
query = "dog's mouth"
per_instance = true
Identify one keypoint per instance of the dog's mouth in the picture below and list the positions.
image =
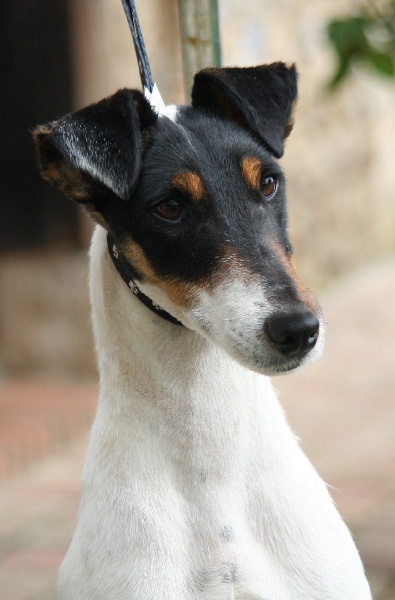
(262, 357)
(265, 337)
(272, 364)
(277, 344)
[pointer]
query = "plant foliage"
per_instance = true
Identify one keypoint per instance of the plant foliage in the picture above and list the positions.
(366, 38)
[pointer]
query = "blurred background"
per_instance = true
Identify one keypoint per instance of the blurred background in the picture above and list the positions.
(58, 56)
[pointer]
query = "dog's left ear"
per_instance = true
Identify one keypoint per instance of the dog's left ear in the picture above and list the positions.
(94, 155)
(261, 99)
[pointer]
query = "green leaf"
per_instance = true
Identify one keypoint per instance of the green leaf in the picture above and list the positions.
(353, 42)
(382, 62)
(348, 36)
(340, 74)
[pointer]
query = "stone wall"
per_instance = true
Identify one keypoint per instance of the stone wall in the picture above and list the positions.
(44, 316)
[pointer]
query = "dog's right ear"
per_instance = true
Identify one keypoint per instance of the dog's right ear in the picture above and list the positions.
(261, 99)
(95, 153)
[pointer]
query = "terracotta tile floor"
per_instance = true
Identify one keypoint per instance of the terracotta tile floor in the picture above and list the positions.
(343, 409)
(36, 417)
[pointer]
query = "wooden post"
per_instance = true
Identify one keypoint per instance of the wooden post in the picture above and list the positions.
(200, 37)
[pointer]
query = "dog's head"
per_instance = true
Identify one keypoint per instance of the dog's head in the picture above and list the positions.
(196, 203)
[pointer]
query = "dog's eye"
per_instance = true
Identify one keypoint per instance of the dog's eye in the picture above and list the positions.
(269, 186)
(171, 210)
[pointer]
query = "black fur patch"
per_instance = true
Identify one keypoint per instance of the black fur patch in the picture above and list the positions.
(120, 160)
(235, 217)
(98, 149)
(261, 99)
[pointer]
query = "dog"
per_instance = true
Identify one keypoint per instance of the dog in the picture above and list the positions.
(194, 486)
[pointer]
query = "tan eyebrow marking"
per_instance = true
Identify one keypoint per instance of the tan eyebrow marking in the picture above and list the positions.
(251, 169)
(190, 183)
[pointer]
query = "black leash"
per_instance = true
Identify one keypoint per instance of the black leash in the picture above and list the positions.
(124, 271)
(117, 257)
(139, 46)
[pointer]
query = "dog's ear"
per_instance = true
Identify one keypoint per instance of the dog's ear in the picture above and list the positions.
(261, 99)
(95, 153)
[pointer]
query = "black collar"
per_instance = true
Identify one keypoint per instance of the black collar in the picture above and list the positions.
(124, 270)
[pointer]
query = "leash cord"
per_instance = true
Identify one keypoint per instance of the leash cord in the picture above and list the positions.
(139, 46)
(148, 84)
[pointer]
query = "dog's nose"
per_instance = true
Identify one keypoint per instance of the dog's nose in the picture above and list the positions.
(293, 333)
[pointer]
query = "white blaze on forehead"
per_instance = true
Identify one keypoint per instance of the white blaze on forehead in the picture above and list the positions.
(170, 112)
(155, 99)
(156, 102)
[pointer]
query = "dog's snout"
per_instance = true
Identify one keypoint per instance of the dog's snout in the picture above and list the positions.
(293, 333)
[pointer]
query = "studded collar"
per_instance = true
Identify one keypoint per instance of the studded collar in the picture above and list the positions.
(124, 271)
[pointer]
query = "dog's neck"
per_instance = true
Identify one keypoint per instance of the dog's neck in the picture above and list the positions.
(130, 337)
(150, 367)
(188, 446)
(125, 272)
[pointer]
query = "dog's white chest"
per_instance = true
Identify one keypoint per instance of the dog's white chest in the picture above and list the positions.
(166, 516)
(194, 486)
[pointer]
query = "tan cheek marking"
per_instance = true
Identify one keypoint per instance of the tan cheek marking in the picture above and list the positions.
(231, 265)
(135, 255)
(179, 292)
(191, 184)
(304, 293)
(251, 169)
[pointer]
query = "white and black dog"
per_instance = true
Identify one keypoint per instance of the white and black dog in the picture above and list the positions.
(194, 487)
